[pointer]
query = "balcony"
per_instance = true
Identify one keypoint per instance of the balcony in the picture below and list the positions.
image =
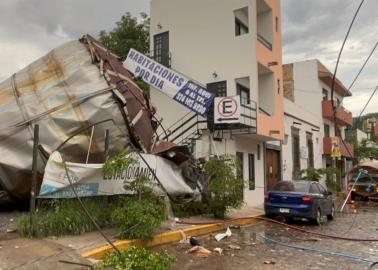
(247, 124)
(264, 24)
(343, 116)
(345, 148)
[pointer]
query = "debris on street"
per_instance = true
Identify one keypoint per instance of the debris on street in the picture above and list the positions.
(221, 236)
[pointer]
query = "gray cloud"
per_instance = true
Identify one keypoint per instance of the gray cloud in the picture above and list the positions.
(316, 29)
(311, 29)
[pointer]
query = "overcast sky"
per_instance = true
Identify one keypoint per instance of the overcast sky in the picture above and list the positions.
(311, 29)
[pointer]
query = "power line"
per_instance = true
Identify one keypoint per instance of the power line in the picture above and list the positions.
(363, 66)
(367, 103)
(334, 77)
(341, 50)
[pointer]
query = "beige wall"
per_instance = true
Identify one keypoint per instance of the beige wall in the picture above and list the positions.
(203, 42)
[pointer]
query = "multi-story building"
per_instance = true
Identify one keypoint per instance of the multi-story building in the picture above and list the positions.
(310, 134)
(232, 48)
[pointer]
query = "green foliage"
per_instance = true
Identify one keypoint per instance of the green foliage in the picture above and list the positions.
(139, 216)
(118, 163)
(333, 185)
(65, 217)
(136, 258)
(129, 32)
(138, 219)
(312, 174)
(225, 188)
(192, 208)
(363, 151)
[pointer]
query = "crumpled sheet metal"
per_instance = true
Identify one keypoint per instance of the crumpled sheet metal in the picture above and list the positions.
(67, 90)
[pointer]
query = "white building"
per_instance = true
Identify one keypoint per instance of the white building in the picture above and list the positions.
(232, 48)
(309, 123)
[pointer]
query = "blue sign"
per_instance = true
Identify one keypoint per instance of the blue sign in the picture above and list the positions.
(194, 97)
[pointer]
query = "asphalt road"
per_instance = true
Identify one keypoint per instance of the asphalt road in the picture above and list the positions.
(255, 252)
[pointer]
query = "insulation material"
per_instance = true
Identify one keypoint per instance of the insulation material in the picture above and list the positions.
(70, 89)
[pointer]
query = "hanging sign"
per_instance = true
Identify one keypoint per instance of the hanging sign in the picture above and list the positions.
(227, 110)
(188, 93)
(335, 150)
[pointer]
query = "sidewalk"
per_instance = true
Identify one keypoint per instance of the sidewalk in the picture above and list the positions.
(174, 232)
(44, 254)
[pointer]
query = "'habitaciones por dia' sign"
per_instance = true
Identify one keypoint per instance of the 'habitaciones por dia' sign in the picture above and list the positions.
(175, 85)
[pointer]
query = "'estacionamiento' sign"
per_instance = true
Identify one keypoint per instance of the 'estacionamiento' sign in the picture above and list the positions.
(175, 85)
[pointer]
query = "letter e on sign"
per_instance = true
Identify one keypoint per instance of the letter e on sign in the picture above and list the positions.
(227, 110)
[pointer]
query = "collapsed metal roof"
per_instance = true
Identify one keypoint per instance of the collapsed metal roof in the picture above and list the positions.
(71, 88)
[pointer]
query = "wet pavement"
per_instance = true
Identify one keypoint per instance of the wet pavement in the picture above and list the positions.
(257, 253)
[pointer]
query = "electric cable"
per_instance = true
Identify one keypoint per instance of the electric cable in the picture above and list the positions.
(342, 48)
(367, 103)
(89, 215)
(337, 237)
(363, 66)
(321, 251)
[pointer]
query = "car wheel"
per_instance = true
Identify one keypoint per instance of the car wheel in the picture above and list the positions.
(318, 217)
(289, 220)
(332, 215)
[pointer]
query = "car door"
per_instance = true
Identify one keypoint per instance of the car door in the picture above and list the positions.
(327, 199)
(318, 198)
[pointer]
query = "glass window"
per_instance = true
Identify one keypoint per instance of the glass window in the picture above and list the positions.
(325, 94)
(326, 130)
(241, 21)
(161, 48)
(300, 186)
(314, 189)
(251, 169)
(284, 186)
(243, 92)
(322, 189)
(240, 170)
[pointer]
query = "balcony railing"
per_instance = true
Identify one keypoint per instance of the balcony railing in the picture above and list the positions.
(264, 42)
(247, 124)
(345, 148)
(343, 116)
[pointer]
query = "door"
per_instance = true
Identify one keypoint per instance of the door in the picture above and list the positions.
(161, 49)
(219, 89)
(272, 168)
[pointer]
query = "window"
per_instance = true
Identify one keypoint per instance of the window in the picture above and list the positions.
(314, 189)
(338, 102)
(241, 21)
(296, 152)
(243, 92)
(310, 147)
(161, 49)
(326, 130)
(276, 24)
(219, 89)
(251, 170)
(240, 168)
(325, 94)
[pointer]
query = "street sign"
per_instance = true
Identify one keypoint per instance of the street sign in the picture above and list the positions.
(227, 110)
(335, 152)
(175, 85)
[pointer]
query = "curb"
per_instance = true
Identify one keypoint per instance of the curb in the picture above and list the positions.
(168, 237)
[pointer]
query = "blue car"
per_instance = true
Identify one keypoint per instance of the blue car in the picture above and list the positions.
(300, 199)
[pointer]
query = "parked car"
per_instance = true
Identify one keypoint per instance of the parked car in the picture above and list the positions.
(367, 186)
(300, 199)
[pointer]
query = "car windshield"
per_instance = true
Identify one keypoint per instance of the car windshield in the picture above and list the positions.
(290, 186)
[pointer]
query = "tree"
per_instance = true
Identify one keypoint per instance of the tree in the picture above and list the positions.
(128, 33)
(363, 151)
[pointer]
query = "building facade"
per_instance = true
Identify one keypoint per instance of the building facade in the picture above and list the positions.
(310, 134)
(232, 48)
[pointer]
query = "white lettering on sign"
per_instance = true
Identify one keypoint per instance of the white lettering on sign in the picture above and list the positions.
(188, 93)
(227, 110)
